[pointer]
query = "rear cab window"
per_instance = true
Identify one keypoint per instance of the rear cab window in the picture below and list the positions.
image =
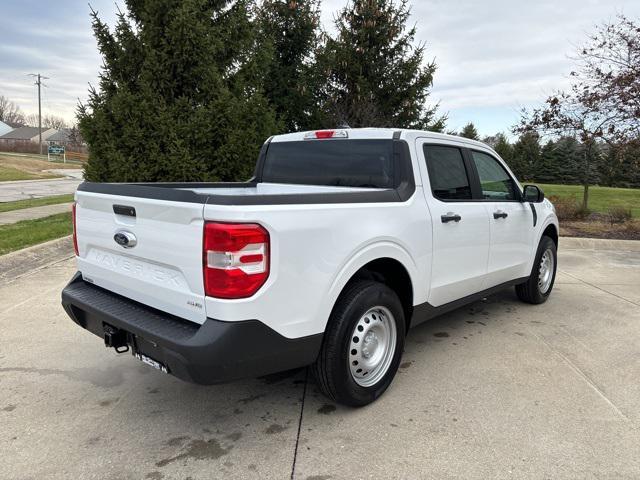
(343, 163)
(448, 175)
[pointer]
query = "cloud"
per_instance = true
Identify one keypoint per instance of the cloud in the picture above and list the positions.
(493, 57)
(55, 40)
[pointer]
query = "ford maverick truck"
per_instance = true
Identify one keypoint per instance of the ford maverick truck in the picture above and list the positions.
(342, 241)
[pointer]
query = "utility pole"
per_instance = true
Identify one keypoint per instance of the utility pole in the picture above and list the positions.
(39, 83)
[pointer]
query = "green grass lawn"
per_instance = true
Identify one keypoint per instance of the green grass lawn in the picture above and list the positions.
(8, 174)
(35, 202)
(600, 198)
(31, 232)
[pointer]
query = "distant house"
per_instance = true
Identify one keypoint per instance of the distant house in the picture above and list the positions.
(4, 128)
(65, 136)
(24, 135)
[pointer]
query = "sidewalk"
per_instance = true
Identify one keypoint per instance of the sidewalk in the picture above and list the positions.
(32, 213)
(25, 189)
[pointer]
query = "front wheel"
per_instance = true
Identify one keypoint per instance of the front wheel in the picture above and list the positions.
(543, 274)
(363, 344)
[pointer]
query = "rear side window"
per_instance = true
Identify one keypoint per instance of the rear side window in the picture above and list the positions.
(447, 173)
(495, 182)
(344, 163)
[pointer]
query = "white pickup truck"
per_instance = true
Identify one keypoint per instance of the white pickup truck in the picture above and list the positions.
(342, 241)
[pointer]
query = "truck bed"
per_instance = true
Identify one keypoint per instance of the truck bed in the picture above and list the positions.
(250, 193)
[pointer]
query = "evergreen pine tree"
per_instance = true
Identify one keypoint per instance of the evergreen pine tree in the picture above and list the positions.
(376, 77)
(620, 166)
(590, 159)
(503, 147)
(547, 171)
(526, 156)
(631, 165)
(177, 99)
(566, 161)
(469, 131)
(289, 29)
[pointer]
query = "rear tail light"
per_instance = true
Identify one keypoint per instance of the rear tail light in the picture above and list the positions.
(236, 259)
(75, 229)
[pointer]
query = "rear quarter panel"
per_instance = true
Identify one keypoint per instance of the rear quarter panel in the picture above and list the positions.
(316, 249)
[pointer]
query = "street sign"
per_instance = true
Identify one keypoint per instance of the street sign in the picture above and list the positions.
(56, 150)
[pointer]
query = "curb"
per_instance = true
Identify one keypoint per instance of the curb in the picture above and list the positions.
(576, 243)
(31, 259)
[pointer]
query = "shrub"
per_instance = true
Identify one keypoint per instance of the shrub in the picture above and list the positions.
(569, 208)
(619, 215)
(632, 228)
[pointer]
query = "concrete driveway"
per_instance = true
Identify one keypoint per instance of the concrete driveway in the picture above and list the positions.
(498, 389)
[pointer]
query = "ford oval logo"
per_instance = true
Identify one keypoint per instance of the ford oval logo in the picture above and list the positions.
(125, 239)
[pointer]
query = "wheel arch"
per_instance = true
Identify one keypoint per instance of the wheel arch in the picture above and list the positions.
(390, 266)
(551, 231)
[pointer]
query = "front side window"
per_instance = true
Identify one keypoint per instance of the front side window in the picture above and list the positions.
(447, 173)
(495, 182)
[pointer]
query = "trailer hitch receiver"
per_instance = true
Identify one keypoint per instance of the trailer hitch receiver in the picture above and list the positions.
(115, 338)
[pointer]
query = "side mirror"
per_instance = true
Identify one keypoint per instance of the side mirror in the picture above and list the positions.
(532, 193)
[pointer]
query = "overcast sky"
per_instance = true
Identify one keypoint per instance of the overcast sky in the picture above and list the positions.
(494, 57)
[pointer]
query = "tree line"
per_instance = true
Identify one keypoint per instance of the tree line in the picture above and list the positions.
(190, 89)
(564, 159)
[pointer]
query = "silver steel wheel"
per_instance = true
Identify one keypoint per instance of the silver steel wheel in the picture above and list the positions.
(545, 273)
(372, 346)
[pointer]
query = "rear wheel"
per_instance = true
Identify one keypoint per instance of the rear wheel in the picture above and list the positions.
(363, 344)
(540, 283)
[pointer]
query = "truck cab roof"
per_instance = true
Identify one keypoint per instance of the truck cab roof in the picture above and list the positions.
(379, 133)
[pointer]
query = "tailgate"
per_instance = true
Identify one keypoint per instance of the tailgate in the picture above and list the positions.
(163, 269)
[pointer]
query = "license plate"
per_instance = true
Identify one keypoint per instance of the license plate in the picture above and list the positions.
(151, 362)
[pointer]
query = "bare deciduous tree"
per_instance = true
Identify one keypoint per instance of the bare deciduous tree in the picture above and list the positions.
(603, 103)
(48, 121)
(10, 113)
(608, 78)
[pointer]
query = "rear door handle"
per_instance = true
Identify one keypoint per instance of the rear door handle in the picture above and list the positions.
(500, 214)
(450, 217)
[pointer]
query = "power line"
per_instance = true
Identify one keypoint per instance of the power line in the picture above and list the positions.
(39, 84)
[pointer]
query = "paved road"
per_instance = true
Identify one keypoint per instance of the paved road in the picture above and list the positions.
(495, 390)
(14, 216)
(25, 189)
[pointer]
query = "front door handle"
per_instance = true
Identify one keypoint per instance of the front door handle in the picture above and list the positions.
(450, 217)
(500, 214)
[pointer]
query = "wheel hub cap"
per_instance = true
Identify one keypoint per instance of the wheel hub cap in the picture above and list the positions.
(372, 346)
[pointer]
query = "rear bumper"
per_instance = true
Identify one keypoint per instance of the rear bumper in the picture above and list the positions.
(213, 352)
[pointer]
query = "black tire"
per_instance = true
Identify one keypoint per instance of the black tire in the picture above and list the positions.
(530, 291)
(332, 368)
